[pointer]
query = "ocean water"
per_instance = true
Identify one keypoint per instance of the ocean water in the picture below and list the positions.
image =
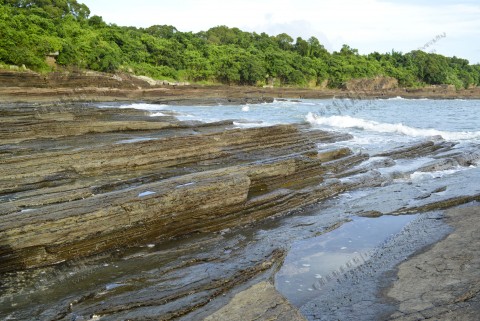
(376, 124)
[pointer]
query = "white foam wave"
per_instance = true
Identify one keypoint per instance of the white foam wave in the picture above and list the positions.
(246, 108)
(369, 125)
(157, 114)
(420, 176)
(286, 102)
(402, 98)
(145, 106)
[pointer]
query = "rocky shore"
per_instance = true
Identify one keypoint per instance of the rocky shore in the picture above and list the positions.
(83, 86)
(443, 282)
(112, 214)
(440, 282)
(93, 190)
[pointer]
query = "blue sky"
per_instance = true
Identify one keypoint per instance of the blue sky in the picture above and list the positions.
(368, 25)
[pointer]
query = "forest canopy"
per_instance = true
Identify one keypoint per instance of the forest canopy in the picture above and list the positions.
(30, 30)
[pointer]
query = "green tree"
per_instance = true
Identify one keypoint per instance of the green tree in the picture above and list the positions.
(284, 41)
(252, 67)
(316, 49)
(302, 47)
(162, 31)
(197, 66)
(226, 64)
(104, 56)
(31, 29)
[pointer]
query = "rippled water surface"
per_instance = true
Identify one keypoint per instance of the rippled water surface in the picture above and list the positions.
(395, 118)
(314, 262)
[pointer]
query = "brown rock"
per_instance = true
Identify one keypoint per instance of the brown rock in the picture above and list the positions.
(360, 86)
(259, 302)
(90, 194)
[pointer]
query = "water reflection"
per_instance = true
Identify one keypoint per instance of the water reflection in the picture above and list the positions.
(314, 262)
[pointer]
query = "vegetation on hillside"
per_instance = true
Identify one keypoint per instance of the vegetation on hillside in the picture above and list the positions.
(29, 30)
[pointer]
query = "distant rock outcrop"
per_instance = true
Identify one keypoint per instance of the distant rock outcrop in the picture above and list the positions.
(371, 84)
(74, 79)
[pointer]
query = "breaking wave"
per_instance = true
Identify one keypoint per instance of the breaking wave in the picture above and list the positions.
(369, 125)
(143, 106)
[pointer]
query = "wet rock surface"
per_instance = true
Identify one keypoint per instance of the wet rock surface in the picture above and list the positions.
(355, 293)
(260, 302)
(442, 283)
(88, 199)
(112, 214)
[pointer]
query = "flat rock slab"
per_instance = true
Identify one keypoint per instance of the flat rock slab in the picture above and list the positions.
(259, 302)
(443, 283)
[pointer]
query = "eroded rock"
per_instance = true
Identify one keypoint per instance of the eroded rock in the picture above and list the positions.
(259, 302)
(442, 283)
(67, 202)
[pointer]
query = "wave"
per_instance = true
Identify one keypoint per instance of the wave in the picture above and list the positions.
(282, 100)
(419, 176)
(157, 114)
(145, 106)
(402, 98)
(369, 125)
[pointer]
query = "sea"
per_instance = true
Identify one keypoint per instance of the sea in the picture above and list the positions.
(376, 124)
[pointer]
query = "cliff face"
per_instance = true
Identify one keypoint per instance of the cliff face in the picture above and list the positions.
(21, 79)
(83, 86)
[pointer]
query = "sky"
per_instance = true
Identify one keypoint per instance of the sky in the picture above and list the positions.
(447, 27)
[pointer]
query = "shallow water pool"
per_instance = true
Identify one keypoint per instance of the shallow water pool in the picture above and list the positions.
(314, 262)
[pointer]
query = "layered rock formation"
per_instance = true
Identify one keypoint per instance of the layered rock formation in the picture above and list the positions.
(88, 86)
(126, 216)
(89, 191)
(77, 79)
(80, 181)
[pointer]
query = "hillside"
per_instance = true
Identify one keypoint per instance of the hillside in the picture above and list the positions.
(44, 35)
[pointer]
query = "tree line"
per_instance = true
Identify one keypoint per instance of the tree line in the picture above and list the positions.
(29, 30)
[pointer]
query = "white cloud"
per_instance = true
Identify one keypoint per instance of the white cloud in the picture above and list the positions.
(369, 25)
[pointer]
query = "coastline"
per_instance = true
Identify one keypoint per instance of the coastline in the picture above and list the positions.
(29, 87)
(217, 190)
